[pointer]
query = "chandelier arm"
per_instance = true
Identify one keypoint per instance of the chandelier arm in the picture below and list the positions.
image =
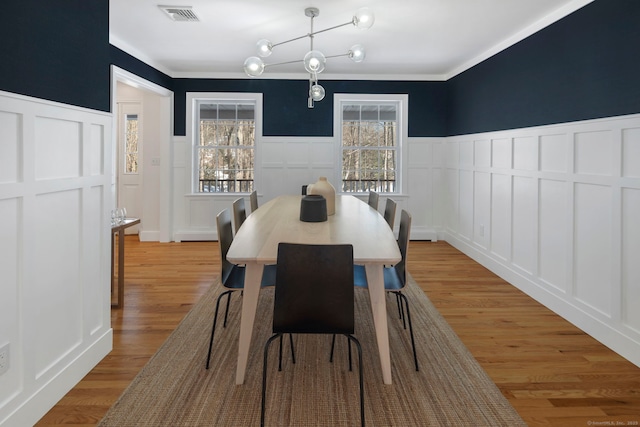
(330, 28)
(291, 40)
(284, 63)
(311, 34)
(337, 56)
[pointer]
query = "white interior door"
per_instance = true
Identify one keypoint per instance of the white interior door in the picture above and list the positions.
(129, 189)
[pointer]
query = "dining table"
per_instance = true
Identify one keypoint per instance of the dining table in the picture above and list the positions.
(354, 222)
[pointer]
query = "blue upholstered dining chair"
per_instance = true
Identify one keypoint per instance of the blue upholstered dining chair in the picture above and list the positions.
(232, 276)
(314, 295)
(395, 278)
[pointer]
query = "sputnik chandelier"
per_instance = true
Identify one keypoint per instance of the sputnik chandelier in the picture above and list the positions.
(314, 61)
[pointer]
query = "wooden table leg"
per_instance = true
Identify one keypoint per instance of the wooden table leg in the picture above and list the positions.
(252, 279)
(375, 280)
(113, 260)
(121, 268)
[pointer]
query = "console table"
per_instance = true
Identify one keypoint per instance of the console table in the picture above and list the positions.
(119, 230)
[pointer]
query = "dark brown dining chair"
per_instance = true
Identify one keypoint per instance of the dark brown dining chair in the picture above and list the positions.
(314, 295)
(390, 212)
(232, 276)
(253, 198)
(239, 213)
(373, 199)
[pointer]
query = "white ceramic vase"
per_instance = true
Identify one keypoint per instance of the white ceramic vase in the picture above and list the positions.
(325, 189)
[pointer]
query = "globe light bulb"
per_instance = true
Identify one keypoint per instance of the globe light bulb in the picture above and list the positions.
(265, 47)
(253, 66)
(364, 18)
(357, 53)
(317, 92)
(314, 61)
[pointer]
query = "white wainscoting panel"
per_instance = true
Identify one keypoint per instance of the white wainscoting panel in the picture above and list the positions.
(482, 209)
(55, 248)
(631, 152)
(285, 164)
(630, 265)
(501, 215)
(524, 225)
(465, 214)
(9, 146)
(553, 224)
(593, 246)
(590, 156)
(564, 203)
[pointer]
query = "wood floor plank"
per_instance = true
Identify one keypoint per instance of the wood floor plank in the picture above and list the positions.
(549, 370)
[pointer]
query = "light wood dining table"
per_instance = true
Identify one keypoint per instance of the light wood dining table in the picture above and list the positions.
(355, 223)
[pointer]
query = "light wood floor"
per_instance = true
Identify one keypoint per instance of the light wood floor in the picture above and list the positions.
(551, 372)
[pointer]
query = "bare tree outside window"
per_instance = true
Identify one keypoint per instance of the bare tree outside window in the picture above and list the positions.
(369, 147)
(131, 143)
(226, 147)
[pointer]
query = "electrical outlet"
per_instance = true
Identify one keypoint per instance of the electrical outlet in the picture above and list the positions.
(4, 358)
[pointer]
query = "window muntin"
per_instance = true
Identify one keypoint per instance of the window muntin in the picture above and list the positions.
(225, 146)
(369, 146)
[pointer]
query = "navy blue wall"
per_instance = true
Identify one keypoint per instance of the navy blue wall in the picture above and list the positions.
(56, 50)
(584, 66)
(285, 103)
(133, 65)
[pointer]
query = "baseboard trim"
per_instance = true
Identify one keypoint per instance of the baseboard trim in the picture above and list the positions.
(37, 405)
(607, 334)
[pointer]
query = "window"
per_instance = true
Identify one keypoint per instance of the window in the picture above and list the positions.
(225, 140)
(131, 143)
(370, 145)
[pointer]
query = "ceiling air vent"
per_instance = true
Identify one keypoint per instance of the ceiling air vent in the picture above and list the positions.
(180, 13)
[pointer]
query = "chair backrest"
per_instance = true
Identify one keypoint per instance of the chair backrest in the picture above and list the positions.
(403, 245)
(253, 198)
(390, 212)
(373, 199)
(239, 213)
(225, 238)
(314, 289)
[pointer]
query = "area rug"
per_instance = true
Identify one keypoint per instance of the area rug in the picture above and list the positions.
(175, 389)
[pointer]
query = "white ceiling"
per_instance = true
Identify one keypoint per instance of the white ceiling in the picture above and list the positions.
(410, 39)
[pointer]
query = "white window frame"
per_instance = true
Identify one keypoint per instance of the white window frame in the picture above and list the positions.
(402, 101)
(192, 133)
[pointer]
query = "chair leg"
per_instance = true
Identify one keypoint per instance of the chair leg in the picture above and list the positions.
(215, 319)
(280, 355)
(404, 318)
(413, 343)
(399, 305)
(349, 344)
(293, 353)
(264, 377)
(333, 344)
(361, 380)
(226, 312)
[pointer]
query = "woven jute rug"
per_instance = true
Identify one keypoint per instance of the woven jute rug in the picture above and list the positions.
(175, 389)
